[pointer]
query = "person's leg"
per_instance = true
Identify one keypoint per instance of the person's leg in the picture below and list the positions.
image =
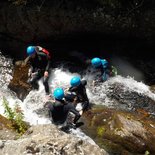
(46, 85)
(85, 106)
(34, 80)
(50, 110)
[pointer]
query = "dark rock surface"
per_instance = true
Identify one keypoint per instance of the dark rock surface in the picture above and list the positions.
(65, 21)
(121, 132)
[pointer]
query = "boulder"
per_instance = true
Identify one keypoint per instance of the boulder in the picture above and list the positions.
(19, 84)
(47, 139)
(119, 131)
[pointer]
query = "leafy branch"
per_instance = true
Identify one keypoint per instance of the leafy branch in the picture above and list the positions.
(16, 116)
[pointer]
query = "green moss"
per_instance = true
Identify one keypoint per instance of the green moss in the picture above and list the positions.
(147, 153)
(100, 131)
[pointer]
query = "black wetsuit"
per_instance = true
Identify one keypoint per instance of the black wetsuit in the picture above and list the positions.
(39, 64)
(59, 110)
(80, 93)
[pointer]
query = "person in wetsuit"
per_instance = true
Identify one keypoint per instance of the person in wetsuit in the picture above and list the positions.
(77, 93)
(40, 61)
(104, 68)
(59, 109)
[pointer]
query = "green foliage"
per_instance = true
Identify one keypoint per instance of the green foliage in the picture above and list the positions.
(114, 71)
(16, 116)
(8, 111)
(100, 131)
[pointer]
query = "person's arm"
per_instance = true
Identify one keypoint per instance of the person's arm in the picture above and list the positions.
(27, 60)
(48, 64)
(46, 73)
(72, 89)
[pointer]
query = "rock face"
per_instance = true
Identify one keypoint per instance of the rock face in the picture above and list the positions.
(46, 140)
(6, 133)
(126, 94)
(36, 23)
(132, 99)
(19, 82)
(121, 132)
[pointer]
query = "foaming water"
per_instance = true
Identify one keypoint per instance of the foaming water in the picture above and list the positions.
(60, 77)
(6, 67)
(36, 99)
(99, 94)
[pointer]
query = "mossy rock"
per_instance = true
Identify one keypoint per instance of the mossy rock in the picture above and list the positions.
(120, 131)
(6, 129)
(19, 82)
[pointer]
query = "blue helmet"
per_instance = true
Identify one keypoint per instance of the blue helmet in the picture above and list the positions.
(75, 81)
(58, 93)
(96, 62)
(31, 50)
(104, 63)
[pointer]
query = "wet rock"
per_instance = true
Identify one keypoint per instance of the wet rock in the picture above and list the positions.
(128, 98)
(28, 23)
(1, 144)
(152, 88)
(132, 99)
(47, 139)
(6, 132)
(19, 82)
(119, 131)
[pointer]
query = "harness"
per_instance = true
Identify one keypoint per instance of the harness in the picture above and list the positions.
(46, 52)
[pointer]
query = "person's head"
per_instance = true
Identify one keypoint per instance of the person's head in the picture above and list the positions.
(31, 51)
(96, 62)
(75, 81)
(58, 93)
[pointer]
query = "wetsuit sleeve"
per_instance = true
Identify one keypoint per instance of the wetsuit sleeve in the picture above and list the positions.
(48, 64)
(72, 89)
(27, 61)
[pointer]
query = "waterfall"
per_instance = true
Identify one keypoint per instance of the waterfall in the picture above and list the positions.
(32, 105)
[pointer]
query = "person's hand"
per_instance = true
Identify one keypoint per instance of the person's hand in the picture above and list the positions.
(46, 74)
(39, 48)
(66, 90)
(75, 99)
(33, 74)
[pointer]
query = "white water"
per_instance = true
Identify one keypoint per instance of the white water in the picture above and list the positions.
(59, 78)
(35, 99)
